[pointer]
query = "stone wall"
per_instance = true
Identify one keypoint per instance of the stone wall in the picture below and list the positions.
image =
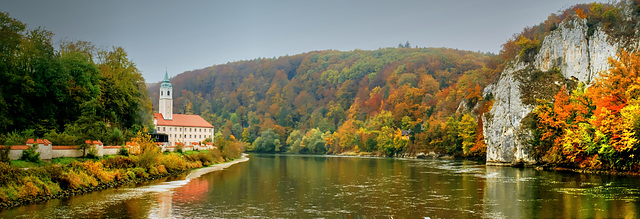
(48, 151)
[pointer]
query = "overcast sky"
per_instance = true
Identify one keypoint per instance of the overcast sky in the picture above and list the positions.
(188, 35)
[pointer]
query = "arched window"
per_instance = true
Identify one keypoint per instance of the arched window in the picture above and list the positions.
(168, 93)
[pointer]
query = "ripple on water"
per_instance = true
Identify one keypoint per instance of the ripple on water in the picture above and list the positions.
(604, 191)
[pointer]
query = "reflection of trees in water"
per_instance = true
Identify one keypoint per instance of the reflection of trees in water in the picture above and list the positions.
(527, 193)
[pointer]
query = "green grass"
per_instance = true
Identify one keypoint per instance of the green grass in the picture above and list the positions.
(26, 164)
(195, 152)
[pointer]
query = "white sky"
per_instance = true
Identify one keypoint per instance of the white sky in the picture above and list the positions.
(188, 35)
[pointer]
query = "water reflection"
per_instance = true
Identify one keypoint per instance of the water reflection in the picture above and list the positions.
(316, 186)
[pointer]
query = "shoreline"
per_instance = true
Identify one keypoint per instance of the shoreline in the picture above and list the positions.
(538, 167)
(193, 173)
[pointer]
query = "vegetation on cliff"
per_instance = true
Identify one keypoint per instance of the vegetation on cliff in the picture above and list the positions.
(596, 127)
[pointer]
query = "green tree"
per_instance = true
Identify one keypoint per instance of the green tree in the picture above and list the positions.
(294, 141)
(267, 142)
(314, 141)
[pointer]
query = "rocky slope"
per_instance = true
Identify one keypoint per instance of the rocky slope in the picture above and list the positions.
(567, 55)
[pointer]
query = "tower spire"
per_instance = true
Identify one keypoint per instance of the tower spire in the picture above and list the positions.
(166, 75)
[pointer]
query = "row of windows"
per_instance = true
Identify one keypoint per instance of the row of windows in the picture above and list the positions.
(164, 129)
(180, 136)
(162, 93)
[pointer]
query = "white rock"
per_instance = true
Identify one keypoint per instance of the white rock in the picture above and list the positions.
(568, 48)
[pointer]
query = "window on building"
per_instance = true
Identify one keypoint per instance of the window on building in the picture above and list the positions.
(189, 136)
(168, 93)
(161, 93)
(169, 128)
(180, 129)
(164, 129)
(200, 136)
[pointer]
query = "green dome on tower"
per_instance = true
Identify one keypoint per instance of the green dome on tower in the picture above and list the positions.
(165, 82)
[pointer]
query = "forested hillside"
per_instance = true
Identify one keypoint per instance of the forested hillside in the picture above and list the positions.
(332, 101)
(66, 95)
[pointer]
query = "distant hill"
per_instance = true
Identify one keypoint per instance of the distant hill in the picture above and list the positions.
(335, 92)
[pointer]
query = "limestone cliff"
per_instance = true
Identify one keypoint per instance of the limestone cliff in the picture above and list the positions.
(568, 54)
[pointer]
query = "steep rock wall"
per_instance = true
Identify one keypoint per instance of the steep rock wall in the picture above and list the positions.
(569, 50)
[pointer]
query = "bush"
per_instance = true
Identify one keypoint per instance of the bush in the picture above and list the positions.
(118, 162)
(148, 159)
(140, 172)
(30, 154)
(173, 162)
(4, 154)
(123, 151)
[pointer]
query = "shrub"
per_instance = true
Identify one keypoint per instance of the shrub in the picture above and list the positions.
(30, 154)
(173, 162)
(118, 162)
(123, 151)
(71, 179)
(140, 172)
(131, 174)
(148, 159)
(153, 171)
(4, 153)
(162, 170)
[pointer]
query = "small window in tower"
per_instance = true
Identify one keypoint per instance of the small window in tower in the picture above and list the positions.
(161, 93)
(168, 93)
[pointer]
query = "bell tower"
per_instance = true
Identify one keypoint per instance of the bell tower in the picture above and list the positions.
(165, 104)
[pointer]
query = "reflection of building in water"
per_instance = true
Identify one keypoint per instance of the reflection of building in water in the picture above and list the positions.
(195, 190)
(164, 204)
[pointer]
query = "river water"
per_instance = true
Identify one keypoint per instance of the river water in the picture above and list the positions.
(294, 186)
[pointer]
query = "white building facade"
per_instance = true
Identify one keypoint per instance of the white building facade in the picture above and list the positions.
(180, 128)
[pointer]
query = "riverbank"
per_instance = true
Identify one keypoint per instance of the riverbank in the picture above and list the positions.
(26, 186)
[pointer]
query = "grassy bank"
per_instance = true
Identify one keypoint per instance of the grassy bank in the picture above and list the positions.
(71, 176)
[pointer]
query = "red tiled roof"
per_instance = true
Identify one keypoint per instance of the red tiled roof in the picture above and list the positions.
(19, 147)
(111, 147)
(182, 120)
(30, 141)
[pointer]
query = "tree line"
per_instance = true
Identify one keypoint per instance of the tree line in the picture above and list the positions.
(67, 93)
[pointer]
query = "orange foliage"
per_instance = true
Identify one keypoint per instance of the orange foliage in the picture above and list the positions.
(580, 13)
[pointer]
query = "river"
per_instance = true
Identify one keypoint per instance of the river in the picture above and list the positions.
(293, 186)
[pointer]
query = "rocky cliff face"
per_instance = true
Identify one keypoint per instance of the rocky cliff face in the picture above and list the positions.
(568, 53)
